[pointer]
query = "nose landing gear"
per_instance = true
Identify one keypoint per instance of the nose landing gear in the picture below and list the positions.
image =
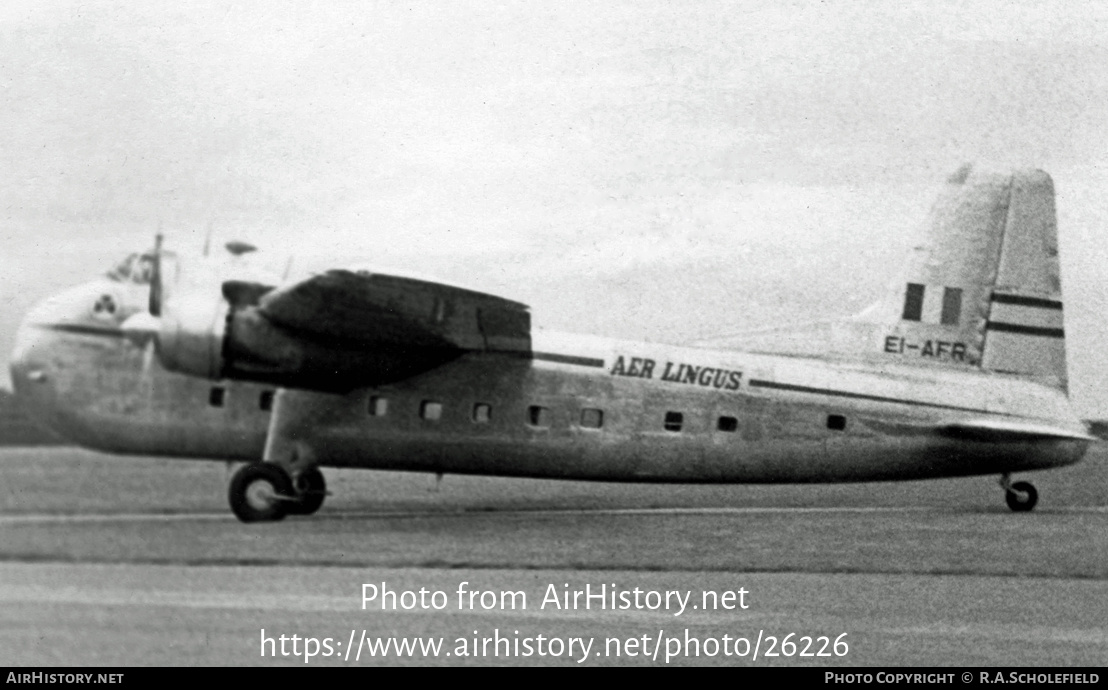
(264, 492)
(1020, 496)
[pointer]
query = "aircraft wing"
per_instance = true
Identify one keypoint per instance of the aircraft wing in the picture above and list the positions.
(339, 330)
(374, 307)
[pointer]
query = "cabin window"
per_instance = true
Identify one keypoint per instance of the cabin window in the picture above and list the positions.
(378, 406)
(538, 416)
(674, 420)
(265, 401)
(727, 424)
(836, 422)
(430, 410)
(482, 413)
(592, 418)
(217, 396)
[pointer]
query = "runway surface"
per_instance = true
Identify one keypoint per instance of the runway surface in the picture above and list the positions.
(133, 561)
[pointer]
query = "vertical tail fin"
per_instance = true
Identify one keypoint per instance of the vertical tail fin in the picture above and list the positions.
(982, 291)
(985, 289)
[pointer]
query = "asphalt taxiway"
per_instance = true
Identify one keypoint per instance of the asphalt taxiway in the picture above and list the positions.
(132, 561)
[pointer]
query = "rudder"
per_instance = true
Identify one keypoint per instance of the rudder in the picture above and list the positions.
(1024, 333)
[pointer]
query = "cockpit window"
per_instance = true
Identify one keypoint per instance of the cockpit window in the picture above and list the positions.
(136, 268)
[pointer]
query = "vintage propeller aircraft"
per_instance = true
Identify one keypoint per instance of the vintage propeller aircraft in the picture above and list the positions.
(960, 370)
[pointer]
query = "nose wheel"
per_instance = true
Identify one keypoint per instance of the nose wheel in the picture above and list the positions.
(1020, 496)
(264, 492)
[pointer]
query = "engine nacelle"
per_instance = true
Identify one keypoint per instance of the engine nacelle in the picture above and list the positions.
(190, 340)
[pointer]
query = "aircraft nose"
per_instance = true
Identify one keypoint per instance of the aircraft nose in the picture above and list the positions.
(27, 363)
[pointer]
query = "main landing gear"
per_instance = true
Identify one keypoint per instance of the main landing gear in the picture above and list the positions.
(264, 492)
(1021, 496)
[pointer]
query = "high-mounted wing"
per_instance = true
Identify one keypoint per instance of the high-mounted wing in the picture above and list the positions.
(374, 307)
(337, 331)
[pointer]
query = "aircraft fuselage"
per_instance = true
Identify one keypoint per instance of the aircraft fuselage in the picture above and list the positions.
(576, 407)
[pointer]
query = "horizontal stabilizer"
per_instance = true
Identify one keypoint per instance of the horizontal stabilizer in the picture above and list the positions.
(999, 431)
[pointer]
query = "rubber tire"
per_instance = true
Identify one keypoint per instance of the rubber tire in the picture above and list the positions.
(1022, 497)
(312, 489)
(249, 475)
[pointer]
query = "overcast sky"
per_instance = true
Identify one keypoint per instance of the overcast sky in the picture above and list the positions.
(657, 170)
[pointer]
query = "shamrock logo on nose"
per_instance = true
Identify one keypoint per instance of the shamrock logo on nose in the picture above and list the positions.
(104, 307)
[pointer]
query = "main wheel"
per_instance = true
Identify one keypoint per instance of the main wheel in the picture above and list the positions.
(311, 490)
(1021, 497)
(260, 492)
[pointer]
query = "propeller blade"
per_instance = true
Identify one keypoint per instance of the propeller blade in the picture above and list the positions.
(141, 328)
(148, 358)
(156, 278)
